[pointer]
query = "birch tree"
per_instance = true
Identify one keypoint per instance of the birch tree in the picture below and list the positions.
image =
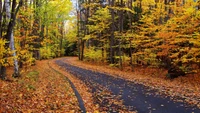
(11, 17)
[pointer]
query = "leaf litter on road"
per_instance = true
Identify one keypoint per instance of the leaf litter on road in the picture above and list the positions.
(184, 88)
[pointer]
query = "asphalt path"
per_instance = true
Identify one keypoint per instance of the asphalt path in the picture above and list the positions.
(135, 96)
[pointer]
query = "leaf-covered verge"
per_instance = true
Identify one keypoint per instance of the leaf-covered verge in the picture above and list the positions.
(82, 89)
(39, 89)
(186, 87)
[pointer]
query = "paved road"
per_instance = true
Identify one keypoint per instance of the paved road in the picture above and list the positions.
(135, 96)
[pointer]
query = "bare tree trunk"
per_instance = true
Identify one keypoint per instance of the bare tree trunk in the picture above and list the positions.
(1, 15)
(78, 28)
(78, 47)
(82, 49)
(130, 54)
(2, 68)
(121, 31)
(112, 33)
(12, 47)
(7, 16)
(120, 56)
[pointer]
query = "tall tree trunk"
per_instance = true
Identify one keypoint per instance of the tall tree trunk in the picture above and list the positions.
(78, 28)
(2, 68)
(82, 49)
(7, 16)
(1, 15)
(36, 28)
(11, 15)
(61, 38)
(130, 14)
(130, 55)
(120, 56)
(112, 33)
(12, 47)
(78, 47)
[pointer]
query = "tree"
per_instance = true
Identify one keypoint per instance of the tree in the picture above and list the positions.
(39, 25)
(155, 30)
(11, 13)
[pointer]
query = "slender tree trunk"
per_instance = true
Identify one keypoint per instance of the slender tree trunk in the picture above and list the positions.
(11, 15)
(130, 55)
(61, 39)
(78, 28)
(78, 47)
(112, 33)
(130, 14)
(36, 28)
(1, 15)
(82, 49)
(16, 66)
(2, 27)
(7, 16)
(121, 31)
(120, 56)
(86, 28)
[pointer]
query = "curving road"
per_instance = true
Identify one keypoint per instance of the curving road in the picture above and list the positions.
(135, 96)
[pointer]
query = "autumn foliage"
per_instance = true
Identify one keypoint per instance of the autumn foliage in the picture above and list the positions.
(148, 33)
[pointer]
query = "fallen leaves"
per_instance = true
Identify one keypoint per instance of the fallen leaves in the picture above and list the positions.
(83, 90)
(38, 90)
(108, 102)
(186, 87)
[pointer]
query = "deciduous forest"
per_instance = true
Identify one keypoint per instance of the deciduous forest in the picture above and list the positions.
(160, 33)
(73, 56)
(30, 30)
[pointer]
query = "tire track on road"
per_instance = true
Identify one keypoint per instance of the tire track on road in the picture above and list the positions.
(79, 98)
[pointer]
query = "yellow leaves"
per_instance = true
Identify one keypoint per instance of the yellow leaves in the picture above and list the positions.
(93, 54)
(59, 7)
(87, 37)
(46, 42)
(25, 57)
(5, 54)
(101, 20)
(123, 9)
(96, 111)
(190, 10)
(148, 2)
(2, 47)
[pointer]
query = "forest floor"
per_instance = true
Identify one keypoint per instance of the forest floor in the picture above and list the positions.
(42, 89)
(39, 89)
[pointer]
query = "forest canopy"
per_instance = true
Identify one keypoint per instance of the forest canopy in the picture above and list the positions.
(32, 29)
(156, 33)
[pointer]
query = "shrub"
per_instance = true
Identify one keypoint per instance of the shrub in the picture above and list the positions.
(91, 54)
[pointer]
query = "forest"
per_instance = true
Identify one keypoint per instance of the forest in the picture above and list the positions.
(94, 56)
(31, 30)
(155, 33)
